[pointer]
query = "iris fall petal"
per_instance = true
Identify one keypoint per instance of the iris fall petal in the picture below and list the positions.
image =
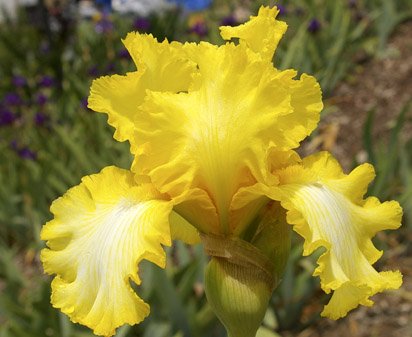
(326, 207)
(101, 231)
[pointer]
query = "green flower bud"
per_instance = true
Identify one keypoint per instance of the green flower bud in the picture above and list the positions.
(238, 295)
(241, 275)
(238, 283)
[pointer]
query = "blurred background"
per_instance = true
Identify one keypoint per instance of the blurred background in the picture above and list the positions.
(50, 50)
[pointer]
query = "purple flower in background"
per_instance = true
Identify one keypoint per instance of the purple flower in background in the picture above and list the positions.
(353, 3)
(23, 152)
(13, 145)
(6, 117)
(19, 81)
(84, 103)
(199, 28)
(104, 25)
(46, 81)
(44, 47)
(111, 67)
(41, 99)
(123, 54)
(141, 25)
(282, 10)
(40, 118)
(229, 20)
(12, 99)
(314, 26)
(93, 71)
(26, 153)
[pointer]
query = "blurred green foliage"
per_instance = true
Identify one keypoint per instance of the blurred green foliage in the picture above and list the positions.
(40, 158)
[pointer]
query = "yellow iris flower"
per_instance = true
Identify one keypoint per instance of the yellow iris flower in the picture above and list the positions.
(212, 130)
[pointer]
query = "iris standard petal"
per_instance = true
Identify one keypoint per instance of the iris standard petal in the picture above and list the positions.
(261, 33)
(161, 67)
(102, 229)
(327, 208)
(217, 137)
(214, 137)
(202, 120)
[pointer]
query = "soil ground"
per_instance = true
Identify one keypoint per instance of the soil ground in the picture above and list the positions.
(383, 84)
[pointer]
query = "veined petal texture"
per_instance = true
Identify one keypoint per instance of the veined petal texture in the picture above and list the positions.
(102, 229)
(327, 208)
(202, 120)
(261, 33)
(216, 137)
(162, 66)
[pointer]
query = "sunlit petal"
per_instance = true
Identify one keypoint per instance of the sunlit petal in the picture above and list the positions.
(326, 207)
(217, 137)
(162, 66)
(101, 231)
(261, 33)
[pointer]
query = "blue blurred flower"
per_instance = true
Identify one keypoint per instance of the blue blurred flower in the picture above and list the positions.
(193, 5)
(12, 99)
(18, 81)
(6, 117)
(106, 4)
(314, 26)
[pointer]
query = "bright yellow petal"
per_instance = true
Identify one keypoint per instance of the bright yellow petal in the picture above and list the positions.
(326, 207)
(213, 136)
(101, 231)
(161, 67)
(249, 200)
(218, 136)
(166, 63)
(261, 33)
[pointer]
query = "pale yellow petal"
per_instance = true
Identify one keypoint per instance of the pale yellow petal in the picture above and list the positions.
(102, 229)
(326, 207)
